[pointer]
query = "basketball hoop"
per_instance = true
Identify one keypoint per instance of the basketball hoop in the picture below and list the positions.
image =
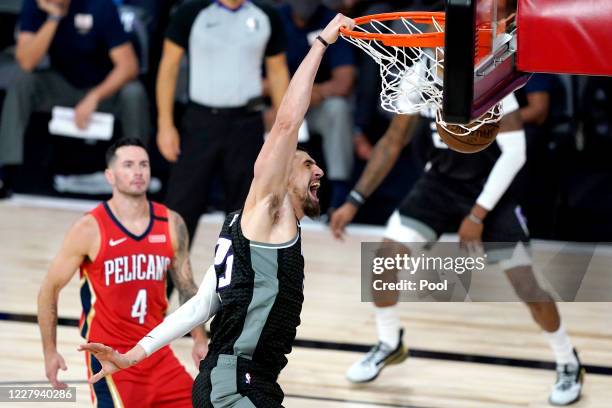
(409, 48)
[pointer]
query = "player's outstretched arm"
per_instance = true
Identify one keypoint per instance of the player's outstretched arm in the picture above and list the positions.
(195, 312)
(512, 144)
(272, 166)
(182, 276)
(74, 249)
(384, 156)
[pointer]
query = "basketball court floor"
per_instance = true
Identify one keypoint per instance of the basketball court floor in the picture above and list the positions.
(462, 354)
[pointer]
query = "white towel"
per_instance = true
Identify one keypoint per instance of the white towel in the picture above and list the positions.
(62, 123)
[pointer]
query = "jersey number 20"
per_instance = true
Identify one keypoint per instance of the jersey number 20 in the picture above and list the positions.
(224, 258)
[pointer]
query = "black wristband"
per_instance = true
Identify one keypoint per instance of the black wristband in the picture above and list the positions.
(325, 43)
(355, 198)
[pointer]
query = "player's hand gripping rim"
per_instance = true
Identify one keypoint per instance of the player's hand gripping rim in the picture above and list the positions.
(332, 31)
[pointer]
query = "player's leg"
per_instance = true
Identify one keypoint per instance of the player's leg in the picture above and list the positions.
(390, 347)
(570, 373)
(30, 92)
(170, 382)
(130, 105)
(418, 220)
(506, 224)
(541, 305)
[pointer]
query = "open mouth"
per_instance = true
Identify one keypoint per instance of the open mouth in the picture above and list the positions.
(313, 190)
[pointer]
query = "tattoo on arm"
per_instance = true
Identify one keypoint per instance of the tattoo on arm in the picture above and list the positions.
(385, 154)
(380, 164)
(181, 272)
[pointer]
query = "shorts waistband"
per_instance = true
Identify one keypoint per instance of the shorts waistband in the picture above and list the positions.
(226, 360)
(240, 364)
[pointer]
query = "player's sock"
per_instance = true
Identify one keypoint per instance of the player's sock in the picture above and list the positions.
(562, 346)
(388, 325)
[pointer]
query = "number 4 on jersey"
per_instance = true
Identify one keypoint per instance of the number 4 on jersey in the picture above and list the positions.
(139, 308)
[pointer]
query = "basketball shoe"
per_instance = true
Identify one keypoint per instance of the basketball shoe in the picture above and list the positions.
(380, 356)
(569, 383)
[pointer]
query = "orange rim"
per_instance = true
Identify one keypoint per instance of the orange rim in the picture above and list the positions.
(426, 40)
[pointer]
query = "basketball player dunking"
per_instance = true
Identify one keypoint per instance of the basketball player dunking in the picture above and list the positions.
(124, 248)
(256, 285)
(465, 193)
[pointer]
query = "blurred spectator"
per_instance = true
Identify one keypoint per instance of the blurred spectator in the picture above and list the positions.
(546, 118)
(227, 42)
(587, 176)
(543, 102)
(91, 66)
(330, 113)
(370, 121)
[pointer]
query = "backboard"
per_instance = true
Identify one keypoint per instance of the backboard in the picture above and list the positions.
(464, 61)
(479, 57)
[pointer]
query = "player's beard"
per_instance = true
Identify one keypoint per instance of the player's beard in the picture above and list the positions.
(311, 208)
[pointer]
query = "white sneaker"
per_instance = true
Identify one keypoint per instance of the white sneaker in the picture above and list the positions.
(380, 356)
(569, 383)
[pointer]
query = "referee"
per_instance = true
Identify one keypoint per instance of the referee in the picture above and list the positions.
(227, 43)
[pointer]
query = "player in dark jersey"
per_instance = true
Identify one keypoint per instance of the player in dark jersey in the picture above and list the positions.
(467, 193)
(123, 250)
(256, 285)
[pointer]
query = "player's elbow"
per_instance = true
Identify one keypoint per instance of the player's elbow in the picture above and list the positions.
(513, 146)
(46, 294)
(286, 122)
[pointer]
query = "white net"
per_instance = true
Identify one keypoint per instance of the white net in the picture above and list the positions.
(412, 77)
